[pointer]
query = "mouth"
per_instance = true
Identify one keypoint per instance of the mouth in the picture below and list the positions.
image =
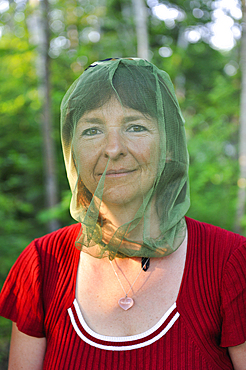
(118, 173)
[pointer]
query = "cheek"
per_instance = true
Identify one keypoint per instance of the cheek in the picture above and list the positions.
(148, 153)
(86, 160)
(85, 156)
(155, 151)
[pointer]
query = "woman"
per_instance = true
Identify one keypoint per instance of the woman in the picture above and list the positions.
(146, 288)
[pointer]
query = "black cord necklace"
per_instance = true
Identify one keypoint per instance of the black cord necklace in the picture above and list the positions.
(145, 263)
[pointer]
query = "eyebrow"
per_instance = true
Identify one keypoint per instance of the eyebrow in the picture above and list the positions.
(126, 119)
(133, 118)
(91, 120)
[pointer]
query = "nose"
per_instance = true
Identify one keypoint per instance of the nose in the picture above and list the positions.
(115, 146)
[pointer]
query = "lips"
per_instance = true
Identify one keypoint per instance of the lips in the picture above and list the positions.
(115, 172)
(119, 171)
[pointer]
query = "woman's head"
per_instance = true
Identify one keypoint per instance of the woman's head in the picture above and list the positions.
(136, 85)
(97, 88)
(125, 141)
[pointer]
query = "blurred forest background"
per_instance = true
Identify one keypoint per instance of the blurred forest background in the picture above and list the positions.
(45, 45)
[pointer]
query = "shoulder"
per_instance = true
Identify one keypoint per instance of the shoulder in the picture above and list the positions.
(57, 240)
(215, 239)
(43, 254)
(215, 249)
(47, 250)
(215, 282)
(60, 235)
(43, 271)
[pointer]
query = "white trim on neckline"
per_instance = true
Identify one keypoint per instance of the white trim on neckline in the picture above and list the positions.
(121, 339)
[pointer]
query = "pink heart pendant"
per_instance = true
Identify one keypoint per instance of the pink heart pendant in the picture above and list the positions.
(126, 303)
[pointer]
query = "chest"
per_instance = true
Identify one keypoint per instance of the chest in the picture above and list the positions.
(153, 293)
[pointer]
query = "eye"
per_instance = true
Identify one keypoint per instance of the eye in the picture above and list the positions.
(136, 128)
(91, 132)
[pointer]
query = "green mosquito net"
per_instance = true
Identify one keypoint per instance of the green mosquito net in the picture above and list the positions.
(126, 158)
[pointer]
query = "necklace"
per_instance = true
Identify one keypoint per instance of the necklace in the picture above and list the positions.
(126, 302)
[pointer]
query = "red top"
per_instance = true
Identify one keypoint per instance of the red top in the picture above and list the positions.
(208, 316)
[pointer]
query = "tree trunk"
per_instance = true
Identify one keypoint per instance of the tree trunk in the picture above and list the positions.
(141, 17)
(49, 146)
(242, 134)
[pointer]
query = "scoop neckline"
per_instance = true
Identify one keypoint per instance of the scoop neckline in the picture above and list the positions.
(133, 342)
(144, 334)
(122, 338)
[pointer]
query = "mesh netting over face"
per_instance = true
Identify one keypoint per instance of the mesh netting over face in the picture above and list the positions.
(126, 158)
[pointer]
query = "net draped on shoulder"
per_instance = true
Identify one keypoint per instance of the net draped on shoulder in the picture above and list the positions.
(138, 85)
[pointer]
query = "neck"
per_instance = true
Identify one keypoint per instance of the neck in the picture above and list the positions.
(119, 215)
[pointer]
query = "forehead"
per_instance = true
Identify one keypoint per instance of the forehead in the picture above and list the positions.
(112, 110)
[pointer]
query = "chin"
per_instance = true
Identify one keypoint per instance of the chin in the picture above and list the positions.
(119, 198)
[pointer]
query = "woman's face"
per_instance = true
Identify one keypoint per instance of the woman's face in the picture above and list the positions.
(129, 141)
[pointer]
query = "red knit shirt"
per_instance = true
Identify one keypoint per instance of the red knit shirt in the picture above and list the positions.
(208, 316)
